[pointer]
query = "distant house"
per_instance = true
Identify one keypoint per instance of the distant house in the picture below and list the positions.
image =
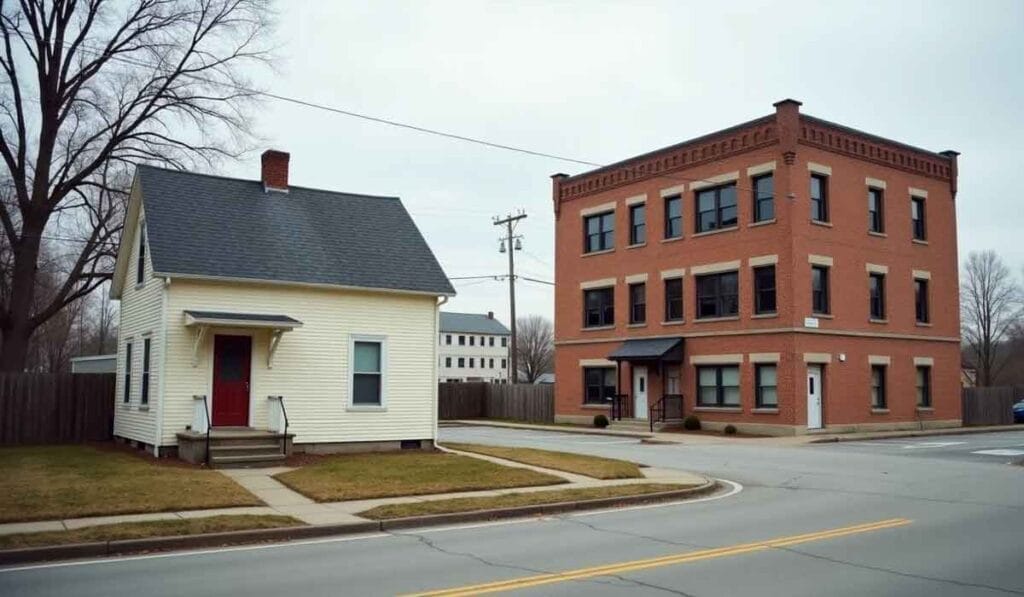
(545, 379)
(101, 363)
(258, 307)
(473, 347)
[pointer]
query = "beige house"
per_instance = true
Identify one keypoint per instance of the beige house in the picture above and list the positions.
(257, 317)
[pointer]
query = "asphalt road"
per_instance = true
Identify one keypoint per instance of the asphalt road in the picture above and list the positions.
(872, 518)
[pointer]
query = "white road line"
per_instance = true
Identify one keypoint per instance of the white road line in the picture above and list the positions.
(928, 445)
(1000, 452)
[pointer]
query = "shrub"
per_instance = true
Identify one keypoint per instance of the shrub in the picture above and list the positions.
(691, 423)
(730, 429)
(600, 421)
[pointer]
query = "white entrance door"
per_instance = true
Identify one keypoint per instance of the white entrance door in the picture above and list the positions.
(640, 392)
(814, 396)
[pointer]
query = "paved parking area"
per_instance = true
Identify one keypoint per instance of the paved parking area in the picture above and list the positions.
(1005, 447)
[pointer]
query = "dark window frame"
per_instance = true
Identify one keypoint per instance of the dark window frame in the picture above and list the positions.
(922, 311)
(876, 295)
(462, 362)
(761, 200)
(819, 205)
(504, 363)
(638, 304)
(673, 223)
(637, 230)
(918, 224)
(603, 391)
(923, 385)
(472, 362)
(718, 298)
(448, 362)
(490, 341)
(759, 386)
(604, 238)
(719, 386)
(876, 216)
(821, 302)
(718, 209)
(140, 266)
(878, 389)
(462, 340)
(504, 342)
(604, 313)
(674, 300)
(490, 363)
(448, 339)
(761, 294)
(147, 347)
(127, 373)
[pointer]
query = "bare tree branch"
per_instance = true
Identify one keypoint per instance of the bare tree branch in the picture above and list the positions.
(535, 347)
(990, 301)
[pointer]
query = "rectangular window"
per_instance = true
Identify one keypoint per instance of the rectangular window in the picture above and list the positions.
(876, 217)
(367, 372)
(764, 289)
(924, 386)
(448, 339)
(921, 301)
(917, 219)
(599, 384)
(127, 372)
(718, 295)
(764, 198)
(673, 216)
(598, 307)
(716, 208)
(472, 340)
(490, 363)
(638, 303)
(472, 362)
(674, 299)
(448, 362)
(819, 289)
(504, 342)
(638, 224)
(504, 364)
(144, 399)
(765, 378)
(877, 386)
(876, 285)
(819, 198)
(718, 385)
(462, 340)
(140, 265)
(490, 341)
(599, 232)
(462, 362)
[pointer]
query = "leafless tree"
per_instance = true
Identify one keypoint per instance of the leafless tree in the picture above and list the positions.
(536, 347)
(990, 300)
(88, 89)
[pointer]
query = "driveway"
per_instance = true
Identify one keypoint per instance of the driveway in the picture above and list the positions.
(836, 519)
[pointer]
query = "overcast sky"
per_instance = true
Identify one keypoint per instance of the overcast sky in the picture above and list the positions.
(606, 81)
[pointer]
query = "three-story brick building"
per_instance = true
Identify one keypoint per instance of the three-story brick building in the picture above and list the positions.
(786, 274)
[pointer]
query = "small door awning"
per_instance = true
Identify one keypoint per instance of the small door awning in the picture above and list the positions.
(649, 349)
(202, 321)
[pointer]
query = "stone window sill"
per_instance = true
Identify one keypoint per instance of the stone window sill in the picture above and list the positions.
(879, 411)
(821, 223)
(598, 328)
(718, 409)
(878, 234)
(762, 223)
(717, 319)
(637, 246)
(764, 315)
(672, 240)
(602, 252)
(675, 322)
(823, 315)
(765, 411)
(925, 409)
(879, 321)
(719, 231)
(923, 324)
(642, 324)
(917, 241)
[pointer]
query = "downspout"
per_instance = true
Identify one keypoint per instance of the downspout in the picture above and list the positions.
(436, 341)
(162, 371)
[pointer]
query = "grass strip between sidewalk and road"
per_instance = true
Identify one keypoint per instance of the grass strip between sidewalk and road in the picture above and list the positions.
(589, 466)
(366, 476)
(56, 482)
(148, 529)
(515, 499)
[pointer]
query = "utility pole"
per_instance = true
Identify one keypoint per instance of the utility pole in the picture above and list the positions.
(514, 243)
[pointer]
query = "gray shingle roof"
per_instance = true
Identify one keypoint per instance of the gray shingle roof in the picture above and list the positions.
(472, 323)
(210, 226)
(646, 348)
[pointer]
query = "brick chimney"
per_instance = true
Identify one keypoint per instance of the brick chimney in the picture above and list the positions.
(274, 172)
(490, 315)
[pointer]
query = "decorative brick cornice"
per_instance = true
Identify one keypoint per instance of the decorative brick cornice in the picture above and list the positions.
(664, 162)
(863, 146)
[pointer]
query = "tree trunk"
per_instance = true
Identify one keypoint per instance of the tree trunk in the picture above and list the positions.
(18, 327)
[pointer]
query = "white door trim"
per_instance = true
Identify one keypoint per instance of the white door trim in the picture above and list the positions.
(815, 397)
(641, 387)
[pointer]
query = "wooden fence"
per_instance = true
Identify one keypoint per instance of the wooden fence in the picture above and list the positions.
(990, 406)
(478, 400)
(37, 408)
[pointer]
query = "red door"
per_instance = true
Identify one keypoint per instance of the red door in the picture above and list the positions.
(231, 359)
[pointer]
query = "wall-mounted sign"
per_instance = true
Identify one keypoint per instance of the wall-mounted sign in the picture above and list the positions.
(810, 322)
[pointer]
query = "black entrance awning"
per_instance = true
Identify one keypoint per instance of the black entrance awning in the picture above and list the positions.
(649, 349)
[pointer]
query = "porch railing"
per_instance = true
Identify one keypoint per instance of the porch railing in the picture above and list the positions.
(208, 421)
(621, 407)
(668, 408)
(284, 419)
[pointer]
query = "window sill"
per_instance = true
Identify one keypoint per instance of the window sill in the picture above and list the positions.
(764, 315)
(879, 411)
(126, 406)
(635, 246)
(823, 315)
(143, 408)
(918, 241)
(718, 409)
(765, 411)
(761, 223)
(366, 409)
(878, 234)
(717, 319)
(674, 322)
(597, 328)
(637, 325)
(878, 321)
(140, 285)
(672, 240)
(596, 406)
(718, 231)
(923, 324)
(602, 252)
(821, 223)
(925, 409)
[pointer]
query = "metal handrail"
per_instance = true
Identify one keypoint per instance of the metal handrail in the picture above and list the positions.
(619, 403)
(209, 426)
(284, 413)
(658, 412)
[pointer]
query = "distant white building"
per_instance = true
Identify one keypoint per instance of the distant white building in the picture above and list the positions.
(473, 347)
(101, 363)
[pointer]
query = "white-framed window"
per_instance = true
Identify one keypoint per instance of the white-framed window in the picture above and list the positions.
(367, 366)
(127, 372)
(140, 265)
(146, 348)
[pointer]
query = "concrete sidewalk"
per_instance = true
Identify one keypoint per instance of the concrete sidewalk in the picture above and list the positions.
(279, 499)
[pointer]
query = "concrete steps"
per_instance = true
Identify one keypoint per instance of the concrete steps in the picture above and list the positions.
(643, 425)
(237, 448)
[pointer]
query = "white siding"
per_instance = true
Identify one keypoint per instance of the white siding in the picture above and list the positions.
(141, 308)
(310, 368)
(481, 355)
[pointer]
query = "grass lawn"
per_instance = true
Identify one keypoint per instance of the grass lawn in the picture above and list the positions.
(143, 530)
(510, 500)
(590, 466)
(365, 476)
(48, 482)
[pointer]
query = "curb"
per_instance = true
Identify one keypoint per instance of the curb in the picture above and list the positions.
(917, 433)
(554, 428)
(130, 546)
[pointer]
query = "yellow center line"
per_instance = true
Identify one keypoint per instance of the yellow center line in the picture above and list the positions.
(681, 558)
